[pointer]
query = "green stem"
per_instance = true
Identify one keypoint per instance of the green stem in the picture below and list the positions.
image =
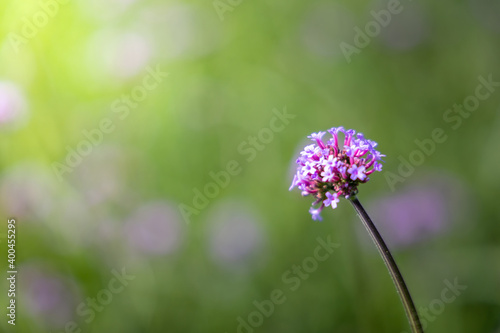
(397, 278)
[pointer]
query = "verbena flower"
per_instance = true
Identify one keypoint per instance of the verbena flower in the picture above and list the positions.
(328, 171)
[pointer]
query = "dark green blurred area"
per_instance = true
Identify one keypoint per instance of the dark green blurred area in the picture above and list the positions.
(120, 206)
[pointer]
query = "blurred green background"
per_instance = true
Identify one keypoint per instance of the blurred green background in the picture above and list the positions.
(103, 154)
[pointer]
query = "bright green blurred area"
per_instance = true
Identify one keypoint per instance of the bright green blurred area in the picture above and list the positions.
(146, 156)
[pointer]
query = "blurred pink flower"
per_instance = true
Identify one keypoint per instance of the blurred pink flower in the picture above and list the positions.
(487, 13)
(138, 50)
(48, 297)
(407, 29)
(155, 228)
(13, 105)
(420, 211)
(235, 236)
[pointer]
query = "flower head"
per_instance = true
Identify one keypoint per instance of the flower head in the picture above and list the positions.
(329, 171)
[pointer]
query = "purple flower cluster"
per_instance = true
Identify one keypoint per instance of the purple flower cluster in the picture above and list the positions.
(326, 168)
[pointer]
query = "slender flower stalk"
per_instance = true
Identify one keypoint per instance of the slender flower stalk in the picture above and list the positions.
(397, 278)
(328, 172)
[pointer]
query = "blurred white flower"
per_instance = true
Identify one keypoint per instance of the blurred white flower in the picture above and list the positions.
(105, 10)
(121, 55)
(181, 31)
(27, 191)
(100, 176)
(73, 220)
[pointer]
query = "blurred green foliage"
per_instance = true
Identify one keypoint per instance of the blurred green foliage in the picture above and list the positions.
(118, 207)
